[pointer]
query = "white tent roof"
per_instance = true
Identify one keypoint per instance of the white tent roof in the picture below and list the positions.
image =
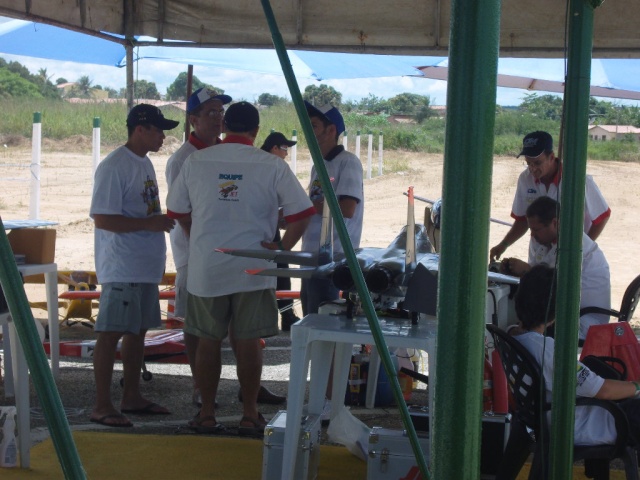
(411, 27)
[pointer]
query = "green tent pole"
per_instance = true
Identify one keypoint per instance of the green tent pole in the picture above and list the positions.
(338, 222)
(581, 14)
(37, 362)
(462, 277)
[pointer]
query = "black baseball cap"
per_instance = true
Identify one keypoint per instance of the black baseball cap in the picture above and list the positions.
(536, 143)
(145, 114)
(241, 117)
(276, 138)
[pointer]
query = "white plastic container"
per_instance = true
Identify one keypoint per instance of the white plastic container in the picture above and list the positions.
(8, 433)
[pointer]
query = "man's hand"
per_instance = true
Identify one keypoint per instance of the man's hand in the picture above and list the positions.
(496, 252)
(514, 267)
(160, 223)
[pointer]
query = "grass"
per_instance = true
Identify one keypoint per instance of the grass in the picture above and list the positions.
(62, 120)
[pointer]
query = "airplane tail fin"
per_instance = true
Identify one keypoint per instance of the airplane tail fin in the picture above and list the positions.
(410, 253)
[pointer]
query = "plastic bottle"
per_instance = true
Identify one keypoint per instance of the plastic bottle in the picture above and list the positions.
(8, 445)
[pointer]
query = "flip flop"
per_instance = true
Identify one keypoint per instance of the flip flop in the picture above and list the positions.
(197, 424)
(149, 409)
(255, 430)
(104, 421)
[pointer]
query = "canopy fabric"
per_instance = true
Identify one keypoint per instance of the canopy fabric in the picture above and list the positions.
(412, 27)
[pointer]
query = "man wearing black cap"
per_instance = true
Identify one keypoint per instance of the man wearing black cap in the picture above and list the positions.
(232, 192)
(278, 144)
(205, 108)
(543, 178)
(130, 255)
(345, 171)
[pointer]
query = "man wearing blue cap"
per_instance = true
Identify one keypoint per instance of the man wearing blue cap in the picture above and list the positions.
(345, 172)
(130, 255)
(205, 108)
(543, 178)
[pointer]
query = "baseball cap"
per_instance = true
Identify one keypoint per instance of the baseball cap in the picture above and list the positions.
(276, 138)
(145, 114)
(241, 117)
(330, 113)
(203, 95)
(536, 143)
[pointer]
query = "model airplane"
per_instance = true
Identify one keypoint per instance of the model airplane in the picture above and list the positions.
(387, 271)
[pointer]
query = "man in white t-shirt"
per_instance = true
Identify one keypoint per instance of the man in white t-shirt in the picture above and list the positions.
(345, 171)
(595, 281)
(232, 193)
(130, 255)
(543, 178)
(535, 305)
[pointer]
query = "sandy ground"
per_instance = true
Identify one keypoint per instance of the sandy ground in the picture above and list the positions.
(66, 183)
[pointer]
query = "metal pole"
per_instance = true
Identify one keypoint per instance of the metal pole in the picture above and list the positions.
(462, 277)
(294, 153)
(37, 361)
(571, 220)
(96, 145)
(369, 155)
(350, 255)
(380, 145)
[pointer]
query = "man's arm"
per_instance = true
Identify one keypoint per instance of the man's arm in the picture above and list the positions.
(347, 206)
(517, 230)
(596, 229)
(122, 224)
(617, 390)
(185, 222)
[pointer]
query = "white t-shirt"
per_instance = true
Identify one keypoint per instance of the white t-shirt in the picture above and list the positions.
(345, 170)
(233, 192)
(178, 237)
(595, 280)
(528, 189)
(125, 184)
(593, 425)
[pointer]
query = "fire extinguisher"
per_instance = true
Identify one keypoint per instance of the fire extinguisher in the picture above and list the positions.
(487, 386)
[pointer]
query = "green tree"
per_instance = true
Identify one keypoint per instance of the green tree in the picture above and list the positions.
(60, 80)
(409, 104)
(13, 85)
(269, 100)
(322, 95)
(82, 88)
(543, 106)
(113, 93)
(145, 89)
(373, 104)
(178, 89)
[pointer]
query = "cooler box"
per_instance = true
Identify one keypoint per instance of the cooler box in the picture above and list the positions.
(308, 456)
(495, 434)
(391, 456)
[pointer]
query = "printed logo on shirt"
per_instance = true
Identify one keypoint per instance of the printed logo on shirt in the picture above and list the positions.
(583, 374)
(228, 191)
(151, 196)
(315, 191)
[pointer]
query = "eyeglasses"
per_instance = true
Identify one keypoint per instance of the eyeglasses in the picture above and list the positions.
(283, 147)
(215, 113)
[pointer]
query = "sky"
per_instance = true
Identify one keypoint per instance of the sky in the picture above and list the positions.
(247, 85)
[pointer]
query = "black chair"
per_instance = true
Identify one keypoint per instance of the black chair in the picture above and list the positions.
(525, 381)
(627, 307)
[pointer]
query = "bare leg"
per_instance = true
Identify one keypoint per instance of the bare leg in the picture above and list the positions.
(103, 359)
(191, 346)
(249, 368)
(208, 366)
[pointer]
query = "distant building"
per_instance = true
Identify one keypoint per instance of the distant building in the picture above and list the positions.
(613, 132)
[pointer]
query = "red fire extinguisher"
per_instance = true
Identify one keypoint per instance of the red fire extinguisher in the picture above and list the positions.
(487, 386)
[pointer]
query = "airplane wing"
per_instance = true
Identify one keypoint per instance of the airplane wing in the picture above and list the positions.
(306, 259)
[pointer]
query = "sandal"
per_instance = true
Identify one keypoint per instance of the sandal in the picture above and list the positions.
(256, 429)
(208, 424)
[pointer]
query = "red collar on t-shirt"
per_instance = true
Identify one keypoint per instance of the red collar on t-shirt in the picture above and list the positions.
(557, 177)
(199, 144)
(237, 139)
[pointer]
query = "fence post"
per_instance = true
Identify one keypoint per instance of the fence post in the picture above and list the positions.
(294, 152)
(36, 144)
(380, 144)
(369, 154)
(96, 146)
(344, 141)
(358, 143)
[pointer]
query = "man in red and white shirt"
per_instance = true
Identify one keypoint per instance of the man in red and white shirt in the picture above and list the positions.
(232, 191)
(543, 177)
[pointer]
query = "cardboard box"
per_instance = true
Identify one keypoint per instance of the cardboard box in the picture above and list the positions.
(37, 244)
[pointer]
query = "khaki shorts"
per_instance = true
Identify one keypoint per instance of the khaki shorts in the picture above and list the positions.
(128, 307)
(248, 314)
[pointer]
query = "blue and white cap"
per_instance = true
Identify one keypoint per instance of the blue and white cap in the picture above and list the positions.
(203, 95)
(330, 113)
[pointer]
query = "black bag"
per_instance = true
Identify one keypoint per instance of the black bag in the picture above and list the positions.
(603, 367)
